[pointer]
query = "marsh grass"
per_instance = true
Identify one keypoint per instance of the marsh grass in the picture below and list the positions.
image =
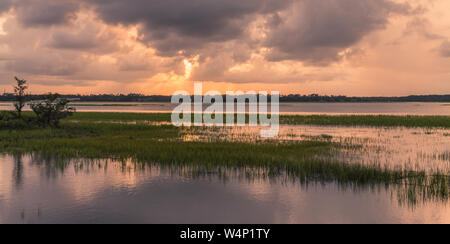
(309, 161)
(326, 120)
(339, 120)
(104, 105)
(370, 120)
(125, 117)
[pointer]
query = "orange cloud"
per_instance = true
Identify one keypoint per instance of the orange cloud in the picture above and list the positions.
(374, 47)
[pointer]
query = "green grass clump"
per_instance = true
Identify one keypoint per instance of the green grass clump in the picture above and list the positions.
(326, 120)
(341, 120)
(9, 120)
(126, 117)
(103, 105)
(369, 120)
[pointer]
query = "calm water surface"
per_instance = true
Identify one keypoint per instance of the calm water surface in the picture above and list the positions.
(285, 108)
(39, 191)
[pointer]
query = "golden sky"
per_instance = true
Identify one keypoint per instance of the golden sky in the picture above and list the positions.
(339, 47)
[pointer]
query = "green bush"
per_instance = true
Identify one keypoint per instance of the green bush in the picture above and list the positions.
(10, 121)
(50, 111)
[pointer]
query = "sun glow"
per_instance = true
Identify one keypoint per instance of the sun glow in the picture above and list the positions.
(2, 22)
(188, 69)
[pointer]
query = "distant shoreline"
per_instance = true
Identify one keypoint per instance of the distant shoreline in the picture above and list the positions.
(314, 98)
(138, 103)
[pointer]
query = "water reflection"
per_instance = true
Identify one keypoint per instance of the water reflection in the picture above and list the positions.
(413, 108)
(18, 171)
(80, 191)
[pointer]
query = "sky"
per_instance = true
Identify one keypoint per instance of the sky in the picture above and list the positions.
(328, 47)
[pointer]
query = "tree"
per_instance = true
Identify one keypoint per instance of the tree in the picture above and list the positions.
(20, 96)
(50, 111)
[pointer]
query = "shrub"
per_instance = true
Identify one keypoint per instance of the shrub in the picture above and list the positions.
(10, 121)
(50, 111)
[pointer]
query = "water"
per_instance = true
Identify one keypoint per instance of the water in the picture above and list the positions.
(36, 190)
(285, 108)
(396, 147)
(40, 191)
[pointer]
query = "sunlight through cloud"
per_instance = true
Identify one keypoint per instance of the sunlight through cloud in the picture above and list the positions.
(2, 22)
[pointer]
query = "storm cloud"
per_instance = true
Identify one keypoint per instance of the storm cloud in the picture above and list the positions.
(172, 25)
(316, 31)
(5, 5)
(170, 42)
(90, 38)
(306, 30)
(33, 13)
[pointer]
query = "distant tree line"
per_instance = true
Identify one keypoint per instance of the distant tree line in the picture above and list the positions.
(318, 98)
(289, 98)
(6, 97)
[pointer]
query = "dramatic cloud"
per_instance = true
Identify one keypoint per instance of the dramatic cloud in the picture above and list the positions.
(25, 52)
(317, 31)
(306, 30)
(90, 38)
(80, 54)
(352, 47)
(172, 25)
(5, 5)
(38, 13)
